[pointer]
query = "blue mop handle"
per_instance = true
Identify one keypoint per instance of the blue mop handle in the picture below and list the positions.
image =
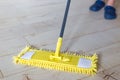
(59, 42)
(65, 18)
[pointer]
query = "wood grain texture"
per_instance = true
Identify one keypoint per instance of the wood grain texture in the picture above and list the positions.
(38, 22)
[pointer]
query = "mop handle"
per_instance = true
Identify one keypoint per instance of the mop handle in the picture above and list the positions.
(59, 43)
(65, 18)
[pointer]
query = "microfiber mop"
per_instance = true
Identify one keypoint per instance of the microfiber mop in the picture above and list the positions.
(57, 60)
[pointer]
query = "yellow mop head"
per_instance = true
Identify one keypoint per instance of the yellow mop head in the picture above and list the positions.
(64, 62)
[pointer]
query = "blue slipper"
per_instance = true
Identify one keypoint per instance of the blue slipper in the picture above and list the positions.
(98, 5)
(110, 13)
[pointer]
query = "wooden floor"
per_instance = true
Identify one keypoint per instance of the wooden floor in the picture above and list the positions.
(38, 22)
